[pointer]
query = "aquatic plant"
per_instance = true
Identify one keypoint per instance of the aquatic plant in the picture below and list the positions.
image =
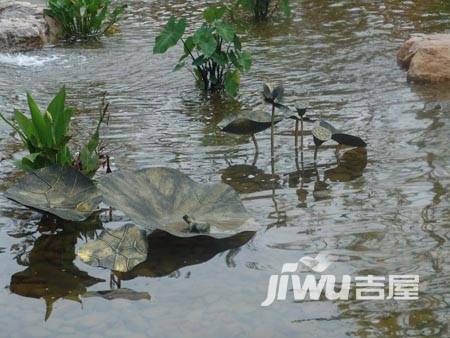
(46, 136)
(273, 95)
(248, 123)
(84, 19)
(323, 131)
(214, 49)
(60, 191)
(263, 9)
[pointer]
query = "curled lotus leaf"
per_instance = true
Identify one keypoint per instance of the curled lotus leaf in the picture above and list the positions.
(61, 191)
(118, 250)
(247, 123)
(273, 93)
(161, 198)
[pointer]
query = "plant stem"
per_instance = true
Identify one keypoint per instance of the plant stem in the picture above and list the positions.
(301, 135)
(272, 139)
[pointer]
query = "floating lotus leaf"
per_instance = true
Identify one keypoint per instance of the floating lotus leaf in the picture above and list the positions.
(61, 191)
(159, 198)
(118, 250)
(247, 123)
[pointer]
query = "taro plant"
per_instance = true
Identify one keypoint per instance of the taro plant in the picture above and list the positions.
(214, 50)
(84, 19)
(46, 137)
(261, 10)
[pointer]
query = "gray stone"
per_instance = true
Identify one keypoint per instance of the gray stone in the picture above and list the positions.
(24, 27)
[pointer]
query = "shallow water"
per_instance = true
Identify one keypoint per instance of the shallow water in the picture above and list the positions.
(384, 213)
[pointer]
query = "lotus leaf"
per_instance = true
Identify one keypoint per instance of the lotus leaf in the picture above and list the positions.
(61, 191)
(247, 123)
(119, 250)
(161, 198)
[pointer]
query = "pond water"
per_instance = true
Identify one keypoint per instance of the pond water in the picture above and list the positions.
(384, 212)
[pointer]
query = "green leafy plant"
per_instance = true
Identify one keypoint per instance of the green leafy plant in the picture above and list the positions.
(84, 19)
(46, 136)
(214, 50)
(263, 9)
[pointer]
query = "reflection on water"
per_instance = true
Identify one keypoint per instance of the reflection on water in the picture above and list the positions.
(386, 211)
(50, 273)
(168, 254)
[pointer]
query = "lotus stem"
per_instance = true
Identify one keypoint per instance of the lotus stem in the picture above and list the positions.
(256, 149)
(255, 143)
(296, 134)
(301, 135)
(315, 153)
(272, 139)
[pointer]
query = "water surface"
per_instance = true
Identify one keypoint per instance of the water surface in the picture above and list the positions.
(383, 212)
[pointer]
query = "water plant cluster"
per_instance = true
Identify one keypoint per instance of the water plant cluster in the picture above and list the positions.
(84, 19)
(46, 136)
(214, 50)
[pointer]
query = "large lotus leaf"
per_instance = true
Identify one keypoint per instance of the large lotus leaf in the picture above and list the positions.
(159, 198)
(118, 250)
(61, 191)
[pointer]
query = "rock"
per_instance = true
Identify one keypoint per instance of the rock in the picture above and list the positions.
(24, 27)
(427, 57)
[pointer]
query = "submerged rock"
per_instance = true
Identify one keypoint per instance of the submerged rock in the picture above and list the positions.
(427, 57)
(24, 27)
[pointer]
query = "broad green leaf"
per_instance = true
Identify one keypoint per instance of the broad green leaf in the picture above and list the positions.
(214, 13)
(220, 58)
(25, 124)
(56, 107)
(61, 125)
(204, 38)
(225, 30)
(188, 45)
(286, 7)
(245, 60)
(237, 42)
(169, 37)
(233, 58)
(232, 82)
(199, 61)
(44, 131)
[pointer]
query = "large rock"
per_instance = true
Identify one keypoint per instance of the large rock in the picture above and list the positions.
(427, 57)
(23, 26)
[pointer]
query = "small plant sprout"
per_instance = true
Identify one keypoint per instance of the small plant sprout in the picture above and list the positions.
(323, 131)
(214, 49)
